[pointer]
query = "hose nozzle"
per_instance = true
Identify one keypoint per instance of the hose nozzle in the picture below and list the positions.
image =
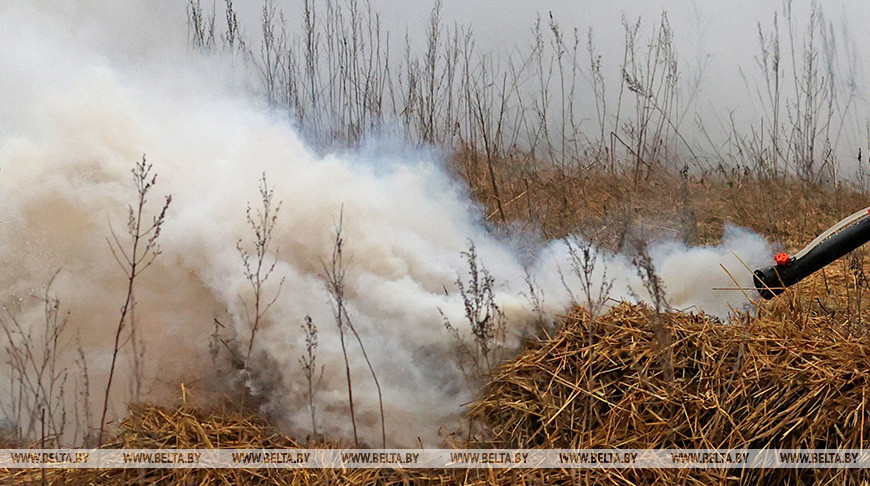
(837, 241)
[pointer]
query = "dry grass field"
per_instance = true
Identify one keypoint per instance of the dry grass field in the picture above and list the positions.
(790, 373)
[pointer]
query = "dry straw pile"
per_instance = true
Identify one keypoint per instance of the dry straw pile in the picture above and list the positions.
(155, 427)
(189, 428)
(152, 427)
(764, 384)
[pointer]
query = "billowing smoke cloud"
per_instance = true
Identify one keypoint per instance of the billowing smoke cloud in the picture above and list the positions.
(81, 99)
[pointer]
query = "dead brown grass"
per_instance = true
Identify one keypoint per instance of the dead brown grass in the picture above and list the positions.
(761, 384)
(150, 426)
(794, 376)
(606, 204)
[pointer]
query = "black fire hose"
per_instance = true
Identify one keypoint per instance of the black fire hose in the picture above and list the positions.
(837, 241)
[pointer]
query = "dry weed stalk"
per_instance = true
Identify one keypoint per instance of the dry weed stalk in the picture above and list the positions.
(333, 275)
(535, 297)
(82, 404)
(655, 288)
(144, 249)
(484, 317)
(256, 267)
(37, 380)
(584, 257)
(309, 366)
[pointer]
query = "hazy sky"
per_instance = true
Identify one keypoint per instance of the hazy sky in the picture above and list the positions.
(723, 36)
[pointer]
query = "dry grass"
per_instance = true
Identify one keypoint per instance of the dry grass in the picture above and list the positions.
(773, 381)
(794, 376)
(766, 383)
(604, 204)
(184, 427)
(189, 428)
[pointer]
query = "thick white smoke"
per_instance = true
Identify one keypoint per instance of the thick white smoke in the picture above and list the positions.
(82, 98)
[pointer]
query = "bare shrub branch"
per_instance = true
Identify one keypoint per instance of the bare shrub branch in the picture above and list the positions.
(257, 268)
(143, 250)
(38, 381)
